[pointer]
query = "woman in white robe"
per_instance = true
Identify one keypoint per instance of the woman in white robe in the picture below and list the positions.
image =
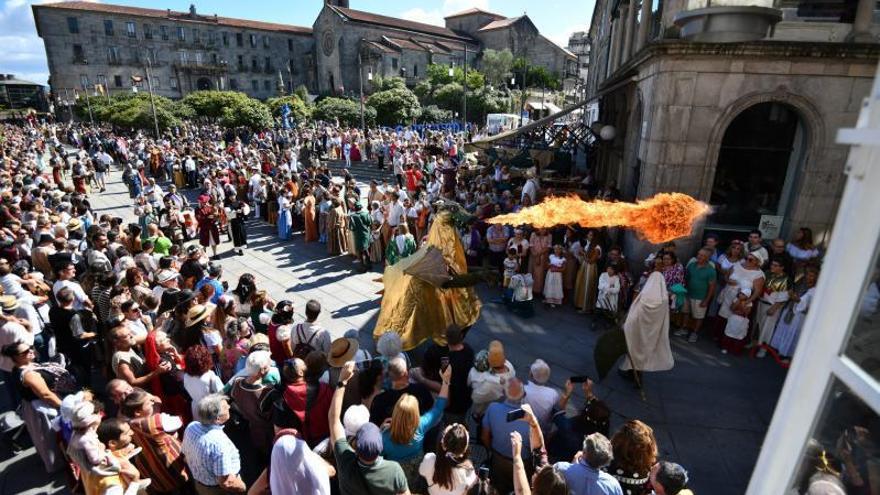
(647, 328)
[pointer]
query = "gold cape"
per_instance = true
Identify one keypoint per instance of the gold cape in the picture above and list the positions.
(417, 310)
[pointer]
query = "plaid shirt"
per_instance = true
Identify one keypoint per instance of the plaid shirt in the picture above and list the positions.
(209, 453)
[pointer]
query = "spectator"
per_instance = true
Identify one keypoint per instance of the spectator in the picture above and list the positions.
(586, 476)
(449, 471)
(405, 435)
(539, 396)
(361, 470)
(635, 453)
(700, 281)
(491, 369)
(459, 355)
(199, 378)
(247, 392)
(384, 403)
(496, 434)
(307, 336)
(211, 456)
(156, 434)
(668, 478)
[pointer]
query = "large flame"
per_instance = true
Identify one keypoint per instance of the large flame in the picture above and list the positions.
(662, 218)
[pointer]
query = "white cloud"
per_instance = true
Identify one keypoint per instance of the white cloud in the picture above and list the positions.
(561, 36)
(435, 16)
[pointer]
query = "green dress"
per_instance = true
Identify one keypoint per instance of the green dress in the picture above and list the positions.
(360, 225)
(394, 254)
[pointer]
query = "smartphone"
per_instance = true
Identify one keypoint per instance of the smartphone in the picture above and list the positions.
(444, 363)
(515, 415)
(484, 472)
(579, 379)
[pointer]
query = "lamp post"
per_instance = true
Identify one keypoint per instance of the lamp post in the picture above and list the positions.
(464, 98)
(361, 86)
(150, 89)
(89, 106)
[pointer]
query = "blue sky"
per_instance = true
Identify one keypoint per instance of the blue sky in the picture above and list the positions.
(23, 54)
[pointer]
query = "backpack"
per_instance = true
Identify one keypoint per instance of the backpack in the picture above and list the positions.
(304, 347)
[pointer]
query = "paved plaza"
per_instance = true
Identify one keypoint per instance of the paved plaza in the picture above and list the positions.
(709, 413)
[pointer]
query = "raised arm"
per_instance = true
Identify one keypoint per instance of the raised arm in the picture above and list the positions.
(335, 416)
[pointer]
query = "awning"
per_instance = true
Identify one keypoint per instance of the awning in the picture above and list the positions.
(543, 106)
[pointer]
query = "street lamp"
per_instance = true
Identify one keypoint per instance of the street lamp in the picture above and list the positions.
(452, 70)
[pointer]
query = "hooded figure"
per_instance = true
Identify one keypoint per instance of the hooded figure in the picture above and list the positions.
(647, 328)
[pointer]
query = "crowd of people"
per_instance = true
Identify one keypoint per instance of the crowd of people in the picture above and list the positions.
(89, 299)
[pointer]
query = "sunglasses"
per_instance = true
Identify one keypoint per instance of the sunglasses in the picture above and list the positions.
(27, 350)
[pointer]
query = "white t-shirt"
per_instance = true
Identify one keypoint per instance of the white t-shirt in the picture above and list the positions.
(79, 295)
(461, 478)
(12, 287)
(304, 331)
(542, 399)
(201, 386)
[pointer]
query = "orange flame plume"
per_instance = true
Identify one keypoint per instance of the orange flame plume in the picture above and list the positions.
(662, 218)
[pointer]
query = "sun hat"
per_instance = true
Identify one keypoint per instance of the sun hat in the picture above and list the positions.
(9, 303)
(342, 350)
(354, 418)
(166, 276)
(198, 313)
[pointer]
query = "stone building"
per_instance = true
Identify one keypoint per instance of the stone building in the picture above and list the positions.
(351, 42)
(748, 127)
(94, 43)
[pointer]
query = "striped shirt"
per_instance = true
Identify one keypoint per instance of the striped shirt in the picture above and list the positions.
(209, 453)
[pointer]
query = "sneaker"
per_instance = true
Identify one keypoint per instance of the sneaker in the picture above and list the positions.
(693, 338)
(681, 332)
(761, 353)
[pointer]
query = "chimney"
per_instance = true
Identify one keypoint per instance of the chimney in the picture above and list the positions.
(192, 9)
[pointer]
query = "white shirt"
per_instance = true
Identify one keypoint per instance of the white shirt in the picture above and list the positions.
(79, 295)
(395, 211)
(542, 399)
(200, 386)
(461, 478)
(304, 331)
(12, 287)
(530, 189)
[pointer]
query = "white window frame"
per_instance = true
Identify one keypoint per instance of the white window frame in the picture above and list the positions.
(819, 360)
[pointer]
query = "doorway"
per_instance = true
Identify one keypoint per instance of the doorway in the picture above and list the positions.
(756, 172)
(204, 84)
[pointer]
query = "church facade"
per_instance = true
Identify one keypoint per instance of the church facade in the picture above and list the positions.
(113, 46)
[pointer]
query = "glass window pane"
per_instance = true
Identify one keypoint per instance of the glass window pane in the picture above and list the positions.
(843, 455)
(863, 346)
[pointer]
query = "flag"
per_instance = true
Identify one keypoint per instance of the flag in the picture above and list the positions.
(99, 88)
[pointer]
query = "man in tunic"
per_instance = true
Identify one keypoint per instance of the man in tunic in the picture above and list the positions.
(647, 329)
(360, 223)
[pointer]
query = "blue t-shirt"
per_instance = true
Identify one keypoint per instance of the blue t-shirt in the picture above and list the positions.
(397, 452)
(496, 420)
(585, 480)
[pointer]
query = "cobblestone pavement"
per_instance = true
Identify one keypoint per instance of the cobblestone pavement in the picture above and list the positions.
(709, 413)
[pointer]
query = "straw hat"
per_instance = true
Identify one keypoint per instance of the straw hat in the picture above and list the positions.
(8, 303)
(198, 313)
(341, 350)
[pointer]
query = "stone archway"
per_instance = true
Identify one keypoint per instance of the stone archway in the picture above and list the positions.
(801, 141)
(204, 84)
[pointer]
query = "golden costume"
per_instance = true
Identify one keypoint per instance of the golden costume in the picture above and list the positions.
(418, 309)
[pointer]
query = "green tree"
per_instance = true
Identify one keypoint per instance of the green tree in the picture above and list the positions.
(134, 110)
(299, 110)
(438, 75)
(346, 111)
(536, 75)
(213, 104)
(484, 101)
(247, 113)
(302, 92)
(449, 96)
(432, 114)
(395, 106)
(497, 64)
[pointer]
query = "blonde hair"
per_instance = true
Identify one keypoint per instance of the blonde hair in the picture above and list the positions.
(404, 420)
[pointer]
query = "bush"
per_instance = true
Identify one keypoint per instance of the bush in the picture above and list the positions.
(395, 106)
(133, 110)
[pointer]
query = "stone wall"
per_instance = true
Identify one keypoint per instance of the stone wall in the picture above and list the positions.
(688, 101)
(469, 23)
(167, 63)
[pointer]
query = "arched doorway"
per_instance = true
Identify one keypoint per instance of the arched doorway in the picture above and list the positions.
(760, 155)
(203, 84)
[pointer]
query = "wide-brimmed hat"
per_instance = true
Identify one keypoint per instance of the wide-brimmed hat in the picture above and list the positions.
(342, 350)
(74, 224)
(198, 313)
(9, 303)
(163, 276)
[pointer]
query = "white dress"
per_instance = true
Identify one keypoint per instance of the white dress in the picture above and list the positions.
(609, 289)
(553, 293)
(785, 338)
(739, 279)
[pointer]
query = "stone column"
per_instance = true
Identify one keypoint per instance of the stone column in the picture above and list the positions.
(617, 41)
(861, 29)
(644, 24)
(629, 31)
